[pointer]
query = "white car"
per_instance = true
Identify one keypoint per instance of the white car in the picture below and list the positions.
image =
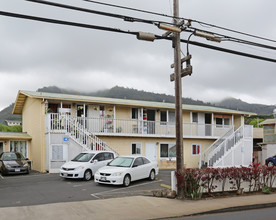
(125, 169)
(86, 164)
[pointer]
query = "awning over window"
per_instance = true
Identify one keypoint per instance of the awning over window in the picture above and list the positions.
(222, 116)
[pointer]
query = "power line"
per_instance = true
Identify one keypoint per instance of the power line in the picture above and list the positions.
(131, 9)
(54, 21)
(237, 40)
(168, 16)
(132, 19)
(125, 18)
(234, 31)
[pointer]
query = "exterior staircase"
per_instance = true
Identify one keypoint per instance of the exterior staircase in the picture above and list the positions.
(78, 133)
(235, 148)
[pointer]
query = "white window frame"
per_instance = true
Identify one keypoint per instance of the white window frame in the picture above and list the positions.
(137, 143)
(192, 121)
(194, 144)
(167, 158)
(27, 146)
(223, 123)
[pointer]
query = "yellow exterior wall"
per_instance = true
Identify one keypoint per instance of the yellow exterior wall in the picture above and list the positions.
(33, 123)
(192, 161)
(237, 121)
(123, 146)
(123, 112)
(186, 117)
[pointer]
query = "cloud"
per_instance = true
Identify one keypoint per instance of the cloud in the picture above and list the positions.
(35, 54)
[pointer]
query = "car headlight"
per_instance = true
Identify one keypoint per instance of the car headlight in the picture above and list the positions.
(7, 166)
(117, 174)
(97, 173)
(79, 168)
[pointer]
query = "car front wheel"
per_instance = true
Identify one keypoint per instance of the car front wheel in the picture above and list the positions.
(270, 164)
(152, 175)
(87, 175)
(126, 181)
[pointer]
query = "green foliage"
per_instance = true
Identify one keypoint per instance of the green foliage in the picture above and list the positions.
(15, 128)
(257, 119)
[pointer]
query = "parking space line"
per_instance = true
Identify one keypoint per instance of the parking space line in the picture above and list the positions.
(95, 196)
(1, 177)
(113, 190)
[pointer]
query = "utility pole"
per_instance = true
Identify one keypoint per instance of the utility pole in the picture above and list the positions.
(178, 97)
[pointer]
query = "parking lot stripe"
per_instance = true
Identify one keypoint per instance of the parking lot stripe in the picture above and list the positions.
(95, 196)
(2, 177)
(113, 190)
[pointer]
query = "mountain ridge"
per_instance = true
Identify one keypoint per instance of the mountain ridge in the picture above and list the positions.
(130, 93)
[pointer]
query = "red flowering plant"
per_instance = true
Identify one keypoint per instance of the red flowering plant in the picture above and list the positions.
(253, 176)
(208, 177)
(267, 177)
(237, 176)
(223, 175)
(189, 180)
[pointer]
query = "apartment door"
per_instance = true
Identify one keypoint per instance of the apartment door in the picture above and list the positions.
(208, 124)
(201, 124)
(93, 118)
(58, 156)
(151, 121)
(151, 151)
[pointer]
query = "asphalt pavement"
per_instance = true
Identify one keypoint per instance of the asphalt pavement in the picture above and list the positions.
(101, 206)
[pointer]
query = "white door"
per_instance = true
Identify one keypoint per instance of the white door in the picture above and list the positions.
(93, 115)
(151, 151)
(58, 156)
(201, 124)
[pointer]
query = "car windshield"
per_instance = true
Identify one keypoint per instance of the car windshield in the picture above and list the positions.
(121, 162)
(83, 157)
(12, 156)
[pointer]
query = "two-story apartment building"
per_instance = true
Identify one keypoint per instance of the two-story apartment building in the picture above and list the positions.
(63, 125)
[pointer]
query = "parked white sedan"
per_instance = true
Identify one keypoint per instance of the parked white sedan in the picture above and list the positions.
(86, 164)
(125, 169)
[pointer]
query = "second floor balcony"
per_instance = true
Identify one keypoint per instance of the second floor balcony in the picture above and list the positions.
(58, 123)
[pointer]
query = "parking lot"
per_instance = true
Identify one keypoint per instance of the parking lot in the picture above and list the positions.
(41, 188)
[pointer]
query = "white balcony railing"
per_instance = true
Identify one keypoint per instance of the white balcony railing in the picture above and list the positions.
(59, 123)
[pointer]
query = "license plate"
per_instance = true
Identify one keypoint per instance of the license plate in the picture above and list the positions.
(103, 178)
(17, 169)
(65, 174)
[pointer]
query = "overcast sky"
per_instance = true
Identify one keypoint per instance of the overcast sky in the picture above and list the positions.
(35, 54)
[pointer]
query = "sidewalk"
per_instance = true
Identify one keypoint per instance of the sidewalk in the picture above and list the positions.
(137, 207)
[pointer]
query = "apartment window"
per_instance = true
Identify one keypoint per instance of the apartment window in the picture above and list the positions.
(102, 111)
(167, 116)
(136, 148)
(167, 150)
(134, 113)
(194, 117)
(195, 149)
(171, 117)
(222, 122)
(19, 146)
(163, 116)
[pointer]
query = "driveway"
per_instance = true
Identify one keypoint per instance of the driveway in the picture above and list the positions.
(38, 188)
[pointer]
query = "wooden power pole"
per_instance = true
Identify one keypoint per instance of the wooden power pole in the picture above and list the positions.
(178, 96)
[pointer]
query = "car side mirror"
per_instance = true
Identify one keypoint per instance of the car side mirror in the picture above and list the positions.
(94, 161)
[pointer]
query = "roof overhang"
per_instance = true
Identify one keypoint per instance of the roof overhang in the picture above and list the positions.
(19, 103)
(23, 95)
